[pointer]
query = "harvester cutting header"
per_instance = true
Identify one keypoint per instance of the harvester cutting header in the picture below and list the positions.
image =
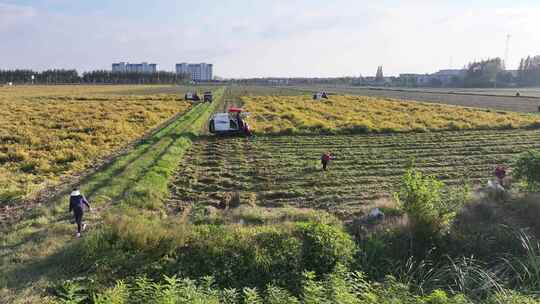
(230, 123)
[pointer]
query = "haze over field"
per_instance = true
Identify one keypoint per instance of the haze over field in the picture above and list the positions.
(267, 38)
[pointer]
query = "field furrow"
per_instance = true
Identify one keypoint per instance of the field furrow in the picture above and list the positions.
(285, 170)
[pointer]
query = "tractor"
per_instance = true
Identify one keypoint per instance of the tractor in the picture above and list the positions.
(230, 123)
(192, 96)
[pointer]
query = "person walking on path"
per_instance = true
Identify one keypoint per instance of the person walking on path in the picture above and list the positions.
(325, 159)
(76, 204)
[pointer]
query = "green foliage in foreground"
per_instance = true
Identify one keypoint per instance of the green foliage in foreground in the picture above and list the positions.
(135, 244)
(340, 286)
(308, 260)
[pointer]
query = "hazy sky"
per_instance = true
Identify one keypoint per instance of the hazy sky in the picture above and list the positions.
(267, 37)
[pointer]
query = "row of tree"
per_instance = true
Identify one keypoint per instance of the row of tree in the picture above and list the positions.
(492, 72)
(134, 77)
(60, 76)
(529, 71)
(486, 73)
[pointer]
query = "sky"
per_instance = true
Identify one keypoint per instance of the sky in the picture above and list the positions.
(268, 38)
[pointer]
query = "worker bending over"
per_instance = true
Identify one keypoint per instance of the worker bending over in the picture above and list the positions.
(325, 159)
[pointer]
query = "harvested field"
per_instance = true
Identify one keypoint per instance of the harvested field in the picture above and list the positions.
(470, 99)
(285, 170)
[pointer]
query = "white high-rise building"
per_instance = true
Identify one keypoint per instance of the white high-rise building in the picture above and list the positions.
(126, 67)
(198, 71)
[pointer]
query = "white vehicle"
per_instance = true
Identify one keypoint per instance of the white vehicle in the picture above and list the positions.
(192, 96)
(232, 122)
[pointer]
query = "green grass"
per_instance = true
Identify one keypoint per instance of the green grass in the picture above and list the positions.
(32, 250)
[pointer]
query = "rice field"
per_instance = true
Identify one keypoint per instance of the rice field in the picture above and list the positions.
(281, 171)
(353, 114)
(48, 134)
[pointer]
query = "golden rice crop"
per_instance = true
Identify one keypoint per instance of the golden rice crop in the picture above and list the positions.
(45, 136)
(359, 114)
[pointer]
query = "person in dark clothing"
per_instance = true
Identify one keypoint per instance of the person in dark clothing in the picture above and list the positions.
(325, 159)
(77, 201)
(500, 173)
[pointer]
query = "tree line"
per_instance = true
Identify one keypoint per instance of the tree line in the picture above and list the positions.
(492, 73)
(160, 77)
(529, 71)
(61, 76)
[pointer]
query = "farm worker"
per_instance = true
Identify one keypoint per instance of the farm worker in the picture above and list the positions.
(239, 121)
(325, 159)
(500, 173)
(76, 204)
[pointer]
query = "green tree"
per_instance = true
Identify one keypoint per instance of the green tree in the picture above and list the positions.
(527, 170)
(420, 197)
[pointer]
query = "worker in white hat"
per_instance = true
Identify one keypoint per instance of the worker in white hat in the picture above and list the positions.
(77, 201)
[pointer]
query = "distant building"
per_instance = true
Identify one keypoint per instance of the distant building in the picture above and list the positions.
(198, 71)
(126, 67)
(444, 78)
(413, 80)
(447, 77)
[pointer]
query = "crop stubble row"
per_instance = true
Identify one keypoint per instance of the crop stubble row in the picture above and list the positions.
(285, 170)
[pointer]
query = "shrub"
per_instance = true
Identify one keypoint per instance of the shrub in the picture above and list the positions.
(238, 256)
(421, 199)
(527, 170)
(324, 247)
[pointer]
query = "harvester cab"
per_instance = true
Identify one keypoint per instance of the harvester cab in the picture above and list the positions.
(192, 96)
(320, 95)
(231, 123)
(207, 97)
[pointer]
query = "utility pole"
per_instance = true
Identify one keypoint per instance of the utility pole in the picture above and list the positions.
(506, 51)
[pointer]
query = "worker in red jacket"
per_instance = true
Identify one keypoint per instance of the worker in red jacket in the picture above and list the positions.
(325, 159)
(500, 173)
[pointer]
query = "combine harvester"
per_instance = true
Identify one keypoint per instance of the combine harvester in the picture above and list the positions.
(230, 123)
(320, 95)
(192, 96)
(207, 97)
